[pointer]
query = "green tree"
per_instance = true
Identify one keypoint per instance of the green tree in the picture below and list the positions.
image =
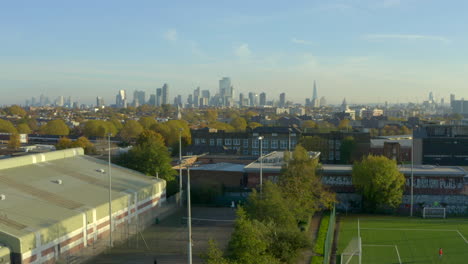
(344, 125)
(221, 126)
(309, 124)
(249, 241)
(214, 255)
(347, 148)
(16, 110)
(149, 156)
(55, 127)
(379, 181)
(14, 142)
(147, 121)
(211, 115)
(239, 124)
(300, 183)
(23, 128)
(84, 143)
(64, 143)
(99, 128)
(315, 143)
(131, 130)
(253, 125)
(7, 127)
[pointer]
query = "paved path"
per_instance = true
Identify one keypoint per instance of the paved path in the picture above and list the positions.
(306, 256)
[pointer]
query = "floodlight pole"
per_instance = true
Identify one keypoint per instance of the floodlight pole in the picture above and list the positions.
(189, 218)
(110, 193)
(180, 166)
(260, 139)
(412, 179)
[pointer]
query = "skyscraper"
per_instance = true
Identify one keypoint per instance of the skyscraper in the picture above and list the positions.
(315, 96)
(158, 96)
(99, 102)
(263, 99)
(165, 94)
(196, 97)
(241, 99)
(121, 99)
(226, 90)
(282, 100)
(140, 97)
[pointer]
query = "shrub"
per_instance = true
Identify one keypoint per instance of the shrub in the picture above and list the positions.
(319, 246)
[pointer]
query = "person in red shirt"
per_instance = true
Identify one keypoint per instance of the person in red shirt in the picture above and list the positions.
(440, 252)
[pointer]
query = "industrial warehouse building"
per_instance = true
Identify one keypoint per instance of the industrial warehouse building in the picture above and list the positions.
(56, 204)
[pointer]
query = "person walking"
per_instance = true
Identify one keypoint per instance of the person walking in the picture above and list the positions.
(440, 252)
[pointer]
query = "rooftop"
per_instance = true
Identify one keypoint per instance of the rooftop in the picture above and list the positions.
(44, 189)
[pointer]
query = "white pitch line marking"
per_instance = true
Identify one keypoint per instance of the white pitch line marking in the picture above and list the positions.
(398, 253)
(462, 236)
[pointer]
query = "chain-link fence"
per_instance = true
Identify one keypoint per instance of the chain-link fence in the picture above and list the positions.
(127, 233)
(329, 238)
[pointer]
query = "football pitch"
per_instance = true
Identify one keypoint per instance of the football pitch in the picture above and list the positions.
(405, 240)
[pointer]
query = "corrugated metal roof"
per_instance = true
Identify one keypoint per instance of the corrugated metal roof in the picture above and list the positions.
(34, 200)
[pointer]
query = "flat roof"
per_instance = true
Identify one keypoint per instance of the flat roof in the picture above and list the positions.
(34, 200)
(273, 161)
(418, 170)
(222, 166)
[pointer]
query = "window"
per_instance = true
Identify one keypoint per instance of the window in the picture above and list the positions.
(274, 134)
(265, 143)
(219, 141)
(212, 141)
(283, 144)
(255, 152)
(246, 143)
(228, 141)
(236, 141)
(293, 143)
(203, 141)
(197, 141)
(274, 144)
(245, 152)
(255, 143)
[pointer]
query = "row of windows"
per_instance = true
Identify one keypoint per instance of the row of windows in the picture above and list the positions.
(283, 144)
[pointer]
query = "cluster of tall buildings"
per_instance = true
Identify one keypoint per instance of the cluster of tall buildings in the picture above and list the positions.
(60, 101)
(315, 101)
(161, 97)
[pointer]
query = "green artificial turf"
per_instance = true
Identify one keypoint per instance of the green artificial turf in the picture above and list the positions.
(415, 240)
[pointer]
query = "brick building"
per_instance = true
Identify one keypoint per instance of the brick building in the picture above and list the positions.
(248, 143)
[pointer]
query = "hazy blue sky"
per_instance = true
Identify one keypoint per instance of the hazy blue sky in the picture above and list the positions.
(364, 50)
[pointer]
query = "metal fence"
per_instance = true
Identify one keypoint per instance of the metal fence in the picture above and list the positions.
(329, 238)
(126, 233)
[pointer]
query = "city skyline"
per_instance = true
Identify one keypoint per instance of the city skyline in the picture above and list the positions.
(89, 49)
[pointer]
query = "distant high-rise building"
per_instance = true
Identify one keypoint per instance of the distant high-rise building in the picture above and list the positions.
(431, 97)
(121, 99)
(99, 102)
(263, 99)
(241, 99)
(344, 105)
(165, 94)
(253, 99)
(282, 100)
(452, 98)
(158, 96)
(152, 100)
(226, 91)
(140, 97)
(60, 101)
(314, 96)
(323, 101)
(196, 97)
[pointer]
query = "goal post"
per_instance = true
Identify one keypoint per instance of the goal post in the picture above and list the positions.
(352, 254)
(434, 212)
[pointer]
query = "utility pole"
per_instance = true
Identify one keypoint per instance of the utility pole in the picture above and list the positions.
(412, 179)
(189, 218)
(260, 139)
(180, 166)
(110, 193)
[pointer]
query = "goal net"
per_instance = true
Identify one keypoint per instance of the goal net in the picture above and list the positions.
(433, 212)
(352, 253)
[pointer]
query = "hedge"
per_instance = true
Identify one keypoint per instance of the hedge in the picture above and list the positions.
(319, 246)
